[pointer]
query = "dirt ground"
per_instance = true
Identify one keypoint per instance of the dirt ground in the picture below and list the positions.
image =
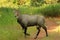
(51, 25)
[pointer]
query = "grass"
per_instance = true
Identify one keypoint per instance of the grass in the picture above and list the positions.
(16, 33)
(11, 30)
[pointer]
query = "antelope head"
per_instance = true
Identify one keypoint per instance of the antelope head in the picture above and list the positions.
(16, 13)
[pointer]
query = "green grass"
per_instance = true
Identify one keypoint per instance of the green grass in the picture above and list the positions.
(14, 32)
(11, 30)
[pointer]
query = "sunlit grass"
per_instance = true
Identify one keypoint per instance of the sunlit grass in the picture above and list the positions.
(11, 30)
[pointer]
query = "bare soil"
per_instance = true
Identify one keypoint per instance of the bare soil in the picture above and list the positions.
(51, 24)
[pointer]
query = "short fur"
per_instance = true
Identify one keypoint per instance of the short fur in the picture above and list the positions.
(30, 20)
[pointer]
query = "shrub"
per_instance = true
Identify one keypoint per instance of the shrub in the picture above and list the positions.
(53, 10)
(49, 10)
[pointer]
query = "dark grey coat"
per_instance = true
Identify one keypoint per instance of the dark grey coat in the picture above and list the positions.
(26, 20)
(31, 20)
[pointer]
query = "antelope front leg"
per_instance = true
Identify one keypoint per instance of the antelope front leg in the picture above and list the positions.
(25, 32)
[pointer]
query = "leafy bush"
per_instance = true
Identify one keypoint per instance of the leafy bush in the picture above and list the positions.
(53, 10)
(49, 10)
(7, 16)
(29, 10)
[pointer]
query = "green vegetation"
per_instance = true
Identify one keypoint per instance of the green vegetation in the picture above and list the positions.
(52, 10)
(6, 16)
(49, 10)
(11, 30)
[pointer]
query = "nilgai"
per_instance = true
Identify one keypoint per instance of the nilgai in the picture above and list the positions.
(26, 21)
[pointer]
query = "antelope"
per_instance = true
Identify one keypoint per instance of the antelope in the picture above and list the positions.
(26, 21)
